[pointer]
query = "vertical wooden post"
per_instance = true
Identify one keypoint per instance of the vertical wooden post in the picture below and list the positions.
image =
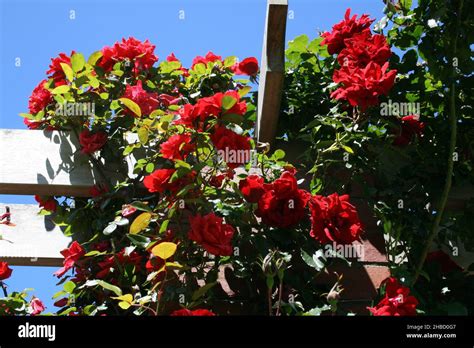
(272, 71)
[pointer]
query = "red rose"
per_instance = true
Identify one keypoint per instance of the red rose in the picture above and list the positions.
(209, 58)
(362, 87)
(147, 101)
(239, 108)
(71, 255)
(92, 142)
(249, 66)
(192, 313)
(233, 148)
(39, 99)
(345, 29)
(177, 147)
(283, 204)
(397, 301)
(445, 263)
(159, 181)
(47, 203)
(56, 71)
(252, 188)
(5, 271)
(411, 126)
(364, 48)
(37, 306)
(334, 219)
(140, 53)
(128, 210)
(212, 234)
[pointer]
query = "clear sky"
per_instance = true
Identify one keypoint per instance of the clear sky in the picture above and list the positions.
(36, 31)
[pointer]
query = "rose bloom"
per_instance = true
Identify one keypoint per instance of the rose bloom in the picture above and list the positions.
(159, 181)
(98, 190)
(39, 99)
(236, 146)
(71, 255)
(192, 313)
(92, 142)
(362, 87)
(47, 203)
(345, 29)
(334, 219)
(252, 188)
(5, 271)
(239, 108)
(140, 53)
(55, 70)
(397, 300)
(209, 58)
(37, 306)
(283, 204)
(177, 147)
(212, 234)
(147, 101)
(249, 66)
(364, 48)
(411, 126)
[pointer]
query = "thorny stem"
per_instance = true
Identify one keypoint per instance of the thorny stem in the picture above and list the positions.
(280, 289)
(452, 148)
(4, 288)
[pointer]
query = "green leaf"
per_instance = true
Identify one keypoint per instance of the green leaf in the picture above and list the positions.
(200, 69)
(60, 89)
(244, 91)
(228, 102)
(131, 105)
(347, 149)
(67, 71)
(313, 261)
(278, 155)
(143, 135)
(230, 61)
(138, 240)
(150, 167)
(110, 228)
(94, 57)
(141, 206)
(69, 287)
(77, 62)
(202, 291)
(115, 289)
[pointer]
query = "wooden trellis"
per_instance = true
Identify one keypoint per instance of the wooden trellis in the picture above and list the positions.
(37, 162)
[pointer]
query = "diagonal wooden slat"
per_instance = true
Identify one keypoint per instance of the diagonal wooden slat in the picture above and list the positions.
(31, 240)
(272, 70)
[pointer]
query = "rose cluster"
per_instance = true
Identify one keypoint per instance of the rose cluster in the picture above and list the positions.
(363, 58)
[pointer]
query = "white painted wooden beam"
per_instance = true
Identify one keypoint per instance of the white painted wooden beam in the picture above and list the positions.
(44, 163)
(272, 70)
(31, 240)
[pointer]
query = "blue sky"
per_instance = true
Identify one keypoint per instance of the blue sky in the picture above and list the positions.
(36, 31)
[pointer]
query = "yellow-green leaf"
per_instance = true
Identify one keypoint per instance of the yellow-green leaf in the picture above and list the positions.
(140, 223)
(143, 135)
(60, 89)
(124, 305)
(347, 149)
(126, 298)
(130, 104)
(164, 250)
(67, 71)
(77, 62)
(244, 91)
(94, 57)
